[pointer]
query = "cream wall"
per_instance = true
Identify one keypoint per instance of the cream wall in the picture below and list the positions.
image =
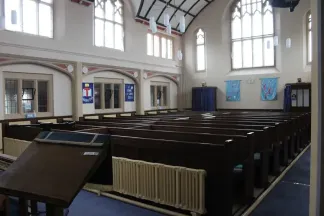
(290, 62)
(128, 106)
(172, 92)
(62, 86)
(73, 41)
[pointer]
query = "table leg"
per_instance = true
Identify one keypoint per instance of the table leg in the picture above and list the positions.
(23, 207)
(52, 210)
(33, 207)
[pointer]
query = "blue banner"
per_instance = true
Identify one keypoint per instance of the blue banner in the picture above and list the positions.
(87, 93)
(233, 90)
(129, 92)
(269, 89)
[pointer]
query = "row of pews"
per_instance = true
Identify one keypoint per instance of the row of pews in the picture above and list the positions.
(191, 162)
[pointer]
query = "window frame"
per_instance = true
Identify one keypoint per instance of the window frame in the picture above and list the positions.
(165, 103)
(308, 20)
(233, 6)
(37, 17)
(196, 50)
(104, 32)
(112, 81)
(160, 36)
(20, 77)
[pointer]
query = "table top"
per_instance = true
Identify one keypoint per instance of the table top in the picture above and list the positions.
(51, 173)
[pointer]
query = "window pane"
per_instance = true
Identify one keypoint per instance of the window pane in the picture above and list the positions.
(97, 94)
(268, 52)
(310, 46)
(119, 37)
(116, 96)
(201, 57)
(165, 94)
(42, 88)
(257, 24)
(109, 11)
(170, 49)
(11, 96)
(246, 23)
(45, 20)
(109, 35)
(99, 32)
(257, 53)
(237, 54)
(200, 37)
(156, 46)
(236, 28)
(118, 15)
(29, 17)
(47, 1)
(99, 10)
(152, 96)
(247, 53)
(164, 47)
(149, 44)
(108, 96)
(28, 96)
(268, 23)
(13, 15)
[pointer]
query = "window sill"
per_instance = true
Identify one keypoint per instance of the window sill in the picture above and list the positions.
(104, 111)
(22, 116)
(201, 71)
(29, 34)
(160, 57)
(254, 71)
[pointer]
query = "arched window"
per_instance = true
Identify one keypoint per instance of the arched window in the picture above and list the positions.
(200, 50)
(309, 37)
(108, 21)
(252, 34)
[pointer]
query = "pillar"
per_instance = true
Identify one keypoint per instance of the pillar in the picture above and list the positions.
(316, 207)
(77, 106)
(140, 93)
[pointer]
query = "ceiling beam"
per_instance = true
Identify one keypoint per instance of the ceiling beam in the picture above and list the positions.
(177, 8)
(148, 11)
(166, 5)
(192, 6)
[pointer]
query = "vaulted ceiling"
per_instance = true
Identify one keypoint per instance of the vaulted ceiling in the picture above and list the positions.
(175, 8)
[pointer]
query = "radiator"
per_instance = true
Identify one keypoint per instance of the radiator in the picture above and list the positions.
(179, 187)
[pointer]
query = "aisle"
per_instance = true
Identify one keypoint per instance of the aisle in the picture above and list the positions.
(290, 197)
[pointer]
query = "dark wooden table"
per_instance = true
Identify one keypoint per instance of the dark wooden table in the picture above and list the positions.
(52, 173)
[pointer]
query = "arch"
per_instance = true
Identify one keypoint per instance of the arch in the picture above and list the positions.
(165, 76)
(113, 70)
(39, 63)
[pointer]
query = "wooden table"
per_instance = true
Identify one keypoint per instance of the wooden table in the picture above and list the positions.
(53, 172)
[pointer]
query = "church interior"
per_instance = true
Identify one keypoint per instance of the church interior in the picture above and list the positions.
(143, 107)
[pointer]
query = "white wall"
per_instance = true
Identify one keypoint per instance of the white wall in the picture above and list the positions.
(62, 85)
(73, 41)
(128, 106)
(290, 63)
(172, 93)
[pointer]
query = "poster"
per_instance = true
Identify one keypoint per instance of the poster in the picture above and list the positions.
(129, 92)
(269, 89)
(87, 93)
(233, 90)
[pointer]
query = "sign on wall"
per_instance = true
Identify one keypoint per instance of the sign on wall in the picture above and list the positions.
(87, 93)
(129, 92)
(233, 90)
(269, 89)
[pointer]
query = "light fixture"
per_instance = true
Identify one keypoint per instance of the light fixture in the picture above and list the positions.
(182, 24)
(166, 19)
(168, 29)
(153, 26)
(275, 41)
(180, 55)
(288, 43)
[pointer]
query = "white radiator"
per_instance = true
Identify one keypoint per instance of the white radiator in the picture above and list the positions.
(179, 187)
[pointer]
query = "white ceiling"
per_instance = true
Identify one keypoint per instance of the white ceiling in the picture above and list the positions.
(145, 9)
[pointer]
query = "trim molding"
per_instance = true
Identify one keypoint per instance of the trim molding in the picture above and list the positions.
(82, 55)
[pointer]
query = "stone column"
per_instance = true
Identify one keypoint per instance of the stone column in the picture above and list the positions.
(77, 106)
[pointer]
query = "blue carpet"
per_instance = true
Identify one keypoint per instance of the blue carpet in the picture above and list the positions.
(290, 197)
(89, 204)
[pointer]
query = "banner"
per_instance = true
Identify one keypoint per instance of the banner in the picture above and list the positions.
(269, 89)
(87, 93)
(129, 92)
(233, 90)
